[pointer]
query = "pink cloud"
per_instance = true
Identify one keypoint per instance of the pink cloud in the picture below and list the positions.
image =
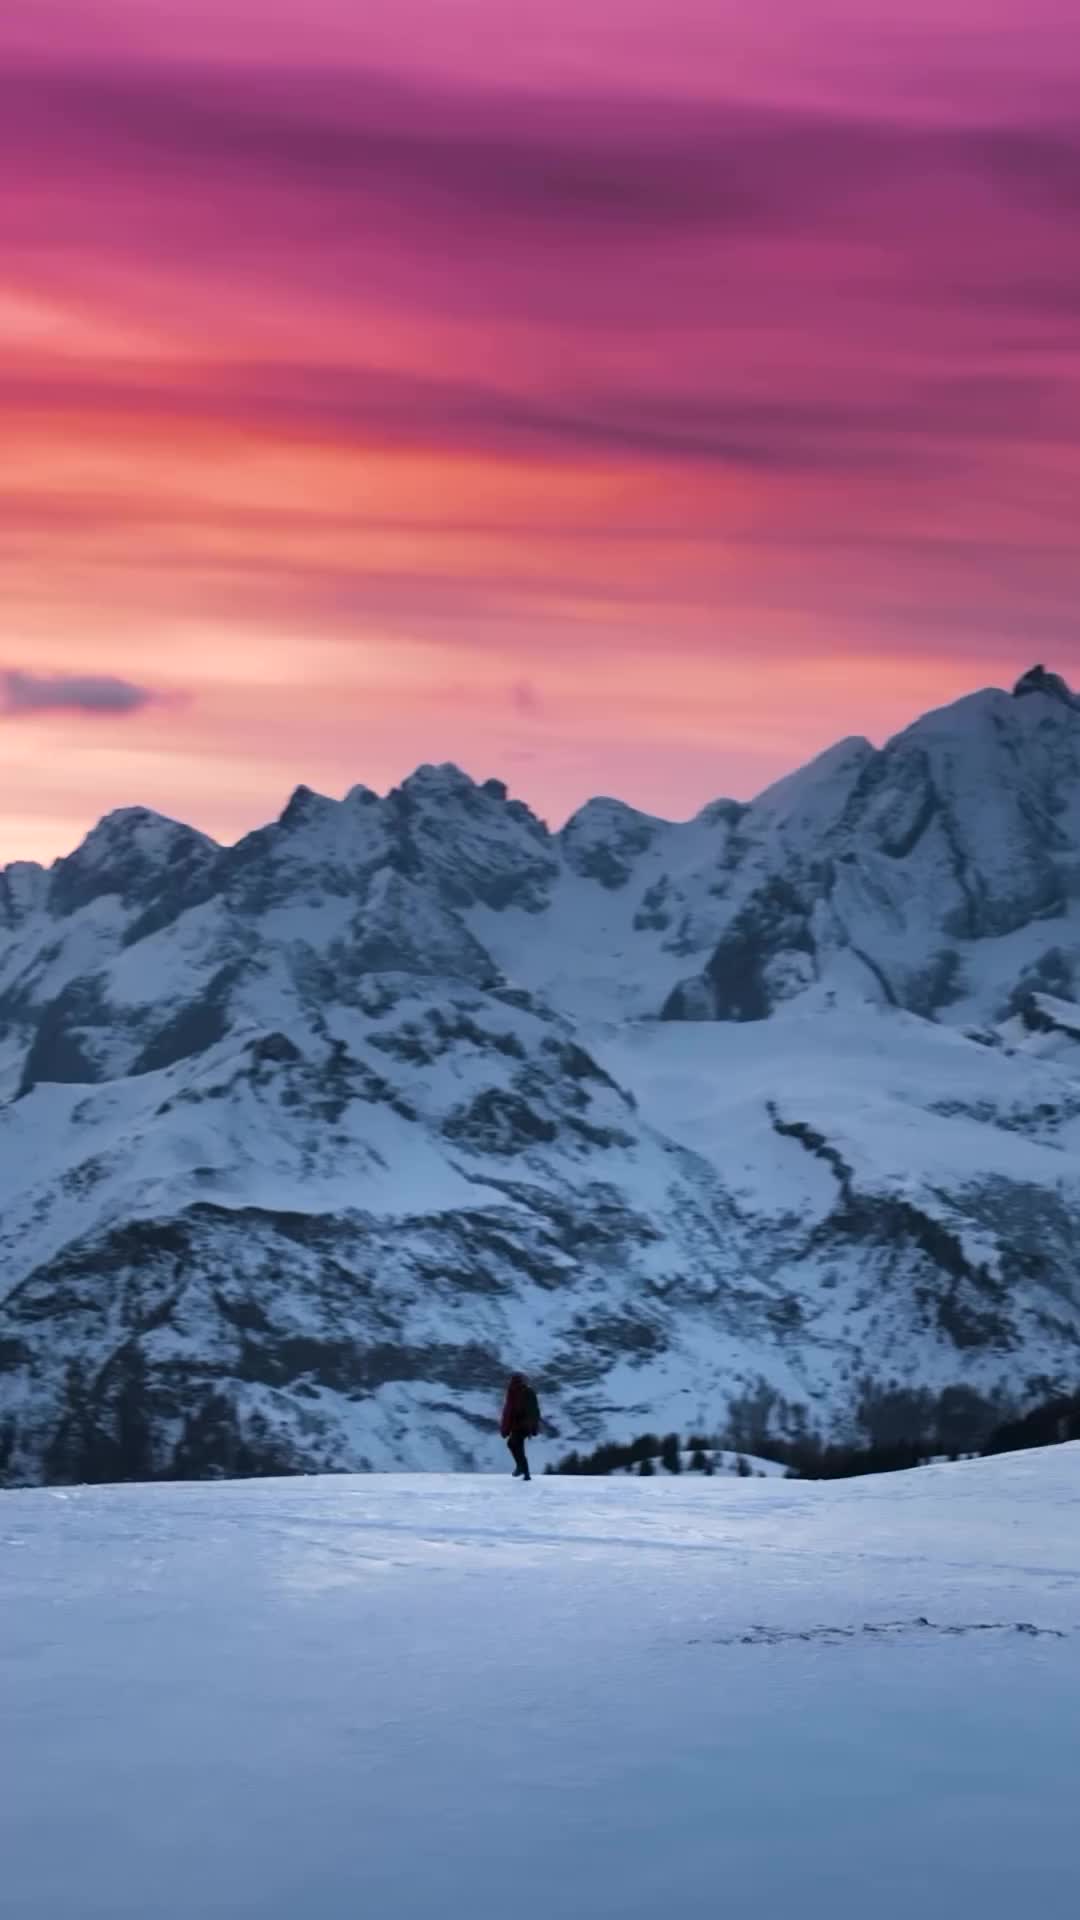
(661, 349)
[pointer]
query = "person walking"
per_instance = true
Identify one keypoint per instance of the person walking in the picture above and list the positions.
(520, 1422)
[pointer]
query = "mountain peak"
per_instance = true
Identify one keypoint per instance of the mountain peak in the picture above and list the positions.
(134, 853)
(835, 767)
(23, 888)
(305, 805)
(604, 838)
(132, 833)
(1038, 680)
(127, 823)
(444, 780)
(361, 796)
(396, 1092)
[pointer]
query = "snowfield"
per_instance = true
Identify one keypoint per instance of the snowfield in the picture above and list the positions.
(621, 1699)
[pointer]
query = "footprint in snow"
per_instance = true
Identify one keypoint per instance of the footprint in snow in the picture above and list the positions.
(759, 1636)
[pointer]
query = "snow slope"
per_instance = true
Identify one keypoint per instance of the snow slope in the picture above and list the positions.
(761, 1122)
(611, 1699)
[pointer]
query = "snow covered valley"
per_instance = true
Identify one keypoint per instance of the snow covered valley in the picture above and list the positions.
(606, 1700)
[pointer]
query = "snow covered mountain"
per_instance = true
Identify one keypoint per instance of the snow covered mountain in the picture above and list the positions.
(759, 1123)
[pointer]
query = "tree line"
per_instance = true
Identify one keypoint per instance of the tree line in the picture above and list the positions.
(1050, 1424)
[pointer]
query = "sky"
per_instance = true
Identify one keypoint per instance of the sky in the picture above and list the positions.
(612, 396)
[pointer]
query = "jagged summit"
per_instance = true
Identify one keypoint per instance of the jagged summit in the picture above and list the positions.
(765, 1119)
(303, 805)
(443, 778)
(880, 867)
(1038, 680)
(135, 826)
(133, 854)
(433, 786)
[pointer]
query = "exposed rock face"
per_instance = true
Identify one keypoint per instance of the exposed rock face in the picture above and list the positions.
(1037, 680)
(306, 1141)
(963, 830)
(604, 840)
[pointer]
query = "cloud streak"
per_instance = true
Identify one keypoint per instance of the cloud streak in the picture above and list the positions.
(901, 425)
(588, 164)
(25, 694)
(445, 352)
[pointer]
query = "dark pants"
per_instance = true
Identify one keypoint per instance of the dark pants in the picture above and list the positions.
(516, 1444)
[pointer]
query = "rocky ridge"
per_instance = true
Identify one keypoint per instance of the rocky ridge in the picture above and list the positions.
(758, 1123)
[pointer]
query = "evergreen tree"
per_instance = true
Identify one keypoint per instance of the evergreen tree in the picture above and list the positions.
(669, 1453)
(8, 1437)
(132, 1417)
(79, 1452)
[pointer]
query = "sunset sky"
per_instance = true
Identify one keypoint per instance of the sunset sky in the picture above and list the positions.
(620, 396)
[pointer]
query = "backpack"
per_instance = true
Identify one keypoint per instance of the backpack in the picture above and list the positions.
(530, 1412)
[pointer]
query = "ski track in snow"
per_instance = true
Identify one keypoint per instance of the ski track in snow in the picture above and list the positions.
(614, 1699)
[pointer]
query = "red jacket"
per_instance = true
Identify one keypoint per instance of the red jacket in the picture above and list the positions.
(517, 1415)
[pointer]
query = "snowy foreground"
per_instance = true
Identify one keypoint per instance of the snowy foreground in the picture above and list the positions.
(408, 1697)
